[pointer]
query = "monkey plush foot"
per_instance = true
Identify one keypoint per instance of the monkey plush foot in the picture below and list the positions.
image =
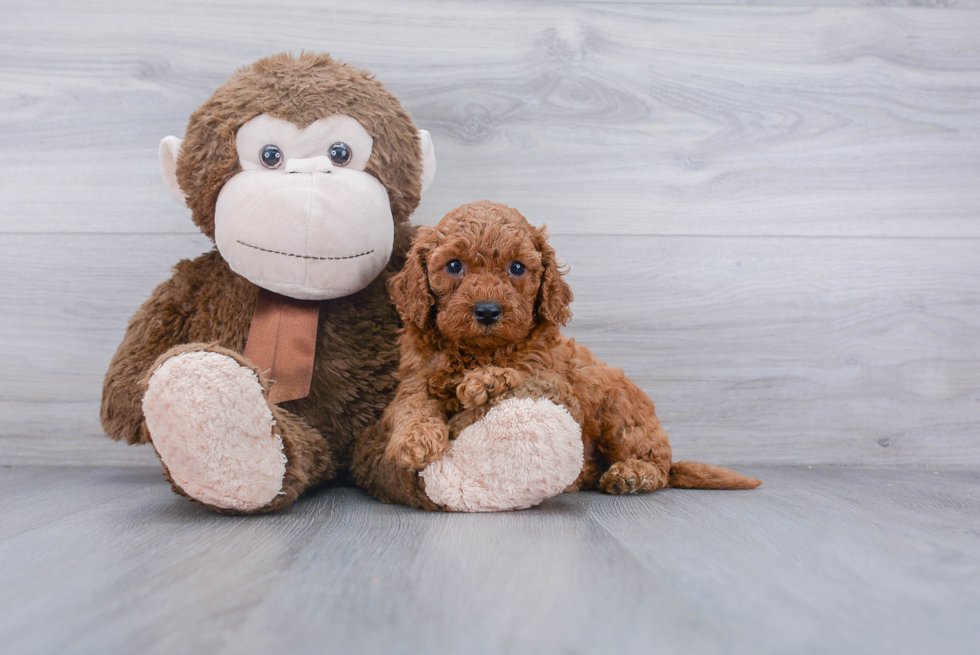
(212, 427)
(521, 453)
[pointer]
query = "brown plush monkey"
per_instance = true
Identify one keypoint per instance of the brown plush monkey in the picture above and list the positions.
(254, 367)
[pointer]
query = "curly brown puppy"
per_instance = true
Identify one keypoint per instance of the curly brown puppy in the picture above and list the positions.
(482, 300)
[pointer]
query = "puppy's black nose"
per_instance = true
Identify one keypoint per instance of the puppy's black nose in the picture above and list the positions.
(487, 313)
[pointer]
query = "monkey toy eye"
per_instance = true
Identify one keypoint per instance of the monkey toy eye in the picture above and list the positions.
(271, 156)
(517, 269)
(340, 153)
(455, 267)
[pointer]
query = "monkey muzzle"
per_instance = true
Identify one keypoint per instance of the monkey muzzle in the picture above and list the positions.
(312, 231)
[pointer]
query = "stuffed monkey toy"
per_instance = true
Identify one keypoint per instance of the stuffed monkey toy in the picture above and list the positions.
(254, 367)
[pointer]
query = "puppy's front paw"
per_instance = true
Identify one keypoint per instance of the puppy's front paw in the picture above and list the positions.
(417, 448)
(481, 384)
(632, 476)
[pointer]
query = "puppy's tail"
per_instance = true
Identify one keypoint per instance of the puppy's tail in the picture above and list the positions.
(695, 475)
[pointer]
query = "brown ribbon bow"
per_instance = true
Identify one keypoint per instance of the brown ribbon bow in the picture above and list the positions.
(282, 343)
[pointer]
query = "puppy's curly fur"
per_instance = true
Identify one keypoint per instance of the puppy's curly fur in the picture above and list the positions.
(454, 367)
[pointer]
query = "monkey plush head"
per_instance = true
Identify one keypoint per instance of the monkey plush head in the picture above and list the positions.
(298, 168)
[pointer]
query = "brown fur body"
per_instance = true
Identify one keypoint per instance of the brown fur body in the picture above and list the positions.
(454, 369)
(206, 306)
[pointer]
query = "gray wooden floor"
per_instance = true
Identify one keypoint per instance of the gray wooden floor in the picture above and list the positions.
(818, 560)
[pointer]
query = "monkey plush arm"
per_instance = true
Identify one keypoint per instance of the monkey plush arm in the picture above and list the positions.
(417, 424)
(158, 325)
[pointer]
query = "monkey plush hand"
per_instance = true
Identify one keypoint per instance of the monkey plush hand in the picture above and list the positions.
(254, 367)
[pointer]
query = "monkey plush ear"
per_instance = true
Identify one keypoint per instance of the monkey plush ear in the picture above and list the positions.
(428, 159)
(169, 149)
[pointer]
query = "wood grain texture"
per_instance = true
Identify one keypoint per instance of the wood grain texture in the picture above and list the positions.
(790, 350)
(919, 4)
(970, 5)
(608, 118)
(816, 561)
(771, 212)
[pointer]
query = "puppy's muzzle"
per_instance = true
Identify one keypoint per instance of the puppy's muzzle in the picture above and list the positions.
(487, 313)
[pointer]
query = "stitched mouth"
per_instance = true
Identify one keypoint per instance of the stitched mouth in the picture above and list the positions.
(289, 254)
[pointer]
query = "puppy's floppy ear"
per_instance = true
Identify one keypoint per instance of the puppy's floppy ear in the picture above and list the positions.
(554, 294)
(409, 289)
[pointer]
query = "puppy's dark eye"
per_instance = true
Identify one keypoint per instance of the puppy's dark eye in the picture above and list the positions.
(517, 269)
(340, 153)
(271, 156)
(455, 267)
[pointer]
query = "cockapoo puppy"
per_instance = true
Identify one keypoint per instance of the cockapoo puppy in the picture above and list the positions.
(496, 409)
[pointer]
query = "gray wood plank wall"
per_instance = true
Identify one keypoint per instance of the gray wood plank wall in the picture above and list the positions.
(771, 213)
